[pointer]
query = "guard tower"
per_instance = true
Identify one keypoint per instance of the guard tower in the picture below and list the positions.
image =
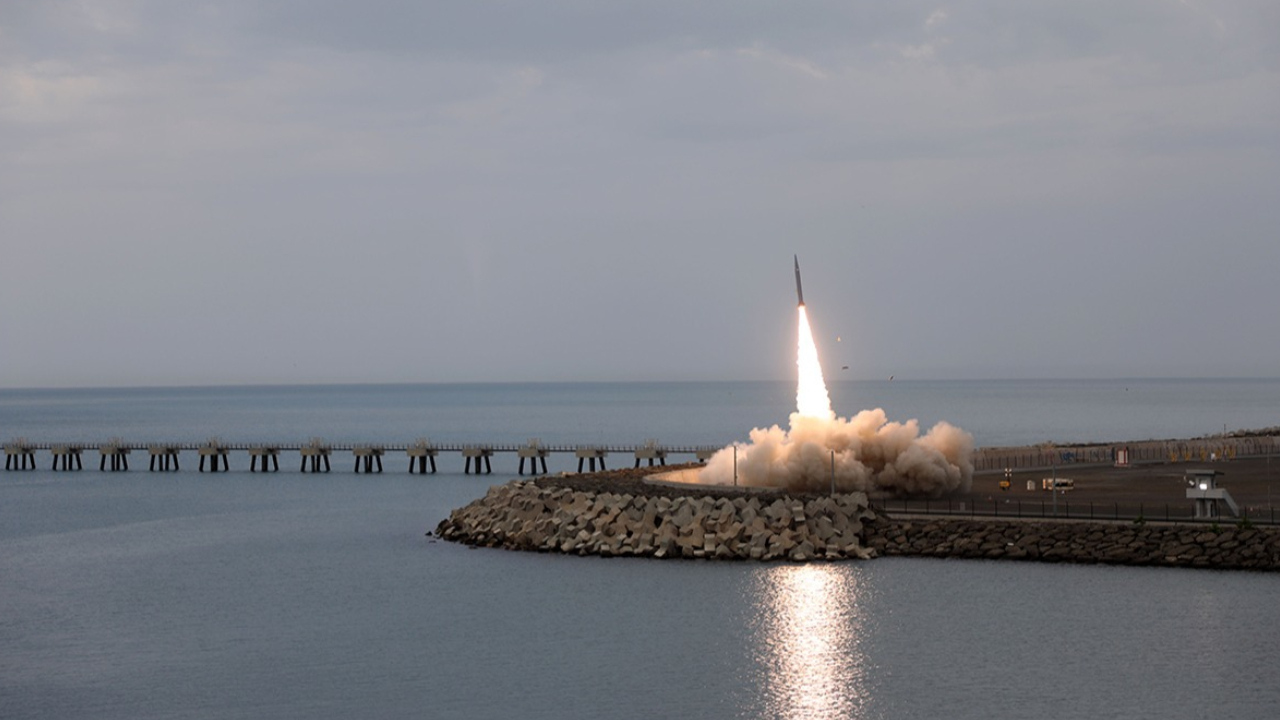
(1208, 496)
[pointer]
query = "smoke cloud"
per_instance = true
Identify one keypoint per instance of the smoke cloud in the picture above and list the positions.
(870, 453)
(864, 453)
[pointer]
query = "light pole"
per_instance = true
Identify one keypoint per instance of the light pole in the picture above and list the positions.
(1054, 483)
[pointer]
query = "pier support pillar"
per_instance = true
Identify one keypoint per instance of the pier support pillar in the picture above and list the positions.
(268, 454)
(479, 454)
(119, 458)
(163, 457)
(370, 456)
(317, 455)
(68, 456)
(591, 455)
(217, 458)
(420, 455)
(19, 457)
(651, 452)
(535, 455)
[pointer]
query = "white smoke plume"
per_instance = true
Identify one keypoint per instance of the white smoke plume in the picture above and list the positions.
(870, 453)
(865, 453)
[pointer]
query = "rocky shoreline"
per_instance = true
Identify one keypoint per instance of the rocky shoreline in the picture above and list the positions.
(666, 524)
(618, 514)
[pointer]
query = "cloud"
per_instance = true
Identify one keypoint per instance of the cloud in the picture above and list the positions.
(391, 141)
(509, 89)
(44, 94)
(798, 64)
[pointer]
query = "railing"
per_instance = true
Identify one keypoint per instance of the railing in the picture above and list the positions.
(348, 446)
(1147, 451)
(20, 453)
(1012, 508)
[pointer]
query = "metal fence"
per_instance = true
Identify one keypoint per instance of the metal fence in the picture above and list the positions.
(1064, 509)
(1150, 451)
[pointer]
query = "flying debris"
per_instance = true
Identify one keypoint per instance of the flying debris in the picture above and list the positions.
(799, 291)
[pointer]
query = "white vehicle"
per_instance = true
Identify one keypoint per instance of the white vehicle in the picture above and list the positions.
(1062, 484)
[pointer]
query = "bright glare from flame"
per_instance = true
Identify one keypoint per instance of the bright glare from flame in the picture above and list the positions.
(811, 390)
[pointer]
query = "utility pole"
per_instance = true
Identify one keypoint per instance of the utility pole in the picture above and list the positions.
(1054, 483)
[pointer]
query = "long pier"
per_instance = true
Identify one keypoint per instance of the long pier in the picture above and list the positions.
(316, 456)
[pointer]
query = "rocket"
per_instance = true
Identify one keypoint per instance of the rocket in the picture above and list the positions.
(799, 291)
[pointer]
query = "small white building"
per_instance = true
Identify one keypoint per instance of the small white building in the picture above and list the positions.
(1207, 495)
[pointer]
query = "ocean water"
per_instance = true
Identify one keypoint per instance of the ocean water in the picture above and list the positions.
(187, 595)
(997, 413)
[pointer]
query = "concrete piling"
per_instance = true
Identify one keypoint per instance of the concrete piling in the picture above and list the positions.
(163, 458)
(535, 454)
(478, 454)
(217, 457)
(68, 456)
(369, 455)
(651, 451)
(118, 454)
(590, 455)
(268, 454)
(18, 456)
(419, 454)
(317, 454)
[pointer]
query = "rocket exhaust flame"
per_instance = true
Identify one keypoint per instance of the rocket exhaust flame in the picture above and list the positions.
(863, 453)
(812, 399)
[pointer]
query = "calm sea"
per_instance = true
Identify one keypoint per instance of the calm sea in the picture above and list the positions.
(186, 595)
(997, 413)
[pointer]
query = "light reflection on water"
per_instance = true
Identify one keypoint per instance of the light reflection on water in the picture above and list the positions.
(808, 634)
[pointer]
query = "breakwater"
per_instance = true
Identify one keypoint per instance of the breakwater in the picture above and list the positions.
(616, 514)
(1229, 546)
(530, 516)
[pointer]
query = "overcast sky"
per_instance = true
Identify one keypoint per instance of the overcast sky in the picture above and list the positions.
(403, 191)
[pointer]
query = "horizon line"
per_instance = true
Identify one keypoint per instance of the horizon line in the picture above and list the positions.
(462, 383)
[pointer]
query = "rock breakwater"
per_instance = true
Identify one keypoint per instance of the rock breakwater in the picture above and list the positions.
(617, 513)
(527, 516)
(1226, 546)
